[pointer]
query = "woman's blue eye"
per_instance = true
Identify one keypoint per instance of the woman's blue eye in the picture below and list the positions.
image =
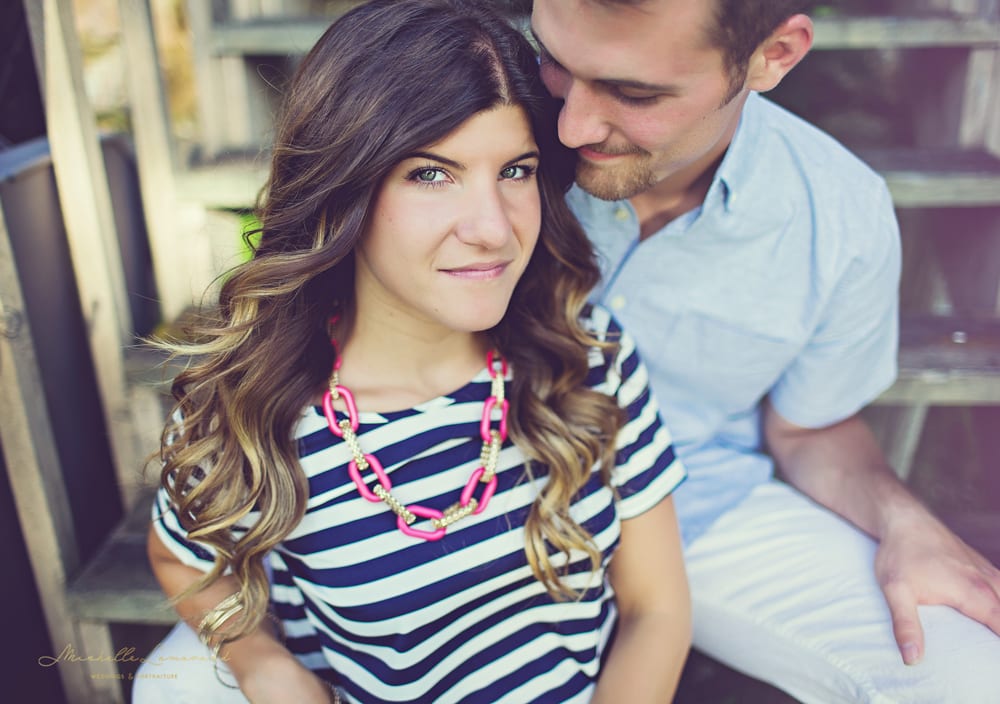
(429, 175)
(517, 172)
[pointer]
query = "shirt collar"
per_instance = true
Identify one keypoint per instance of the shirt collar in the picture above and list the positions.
(738, 165)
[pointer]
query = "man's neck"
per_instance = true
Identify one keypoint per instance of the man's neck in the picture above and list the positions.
(671, 198)
(686, 188)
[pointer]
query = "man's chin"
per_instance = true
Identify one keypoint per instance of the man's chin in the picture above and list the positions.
(608, 183)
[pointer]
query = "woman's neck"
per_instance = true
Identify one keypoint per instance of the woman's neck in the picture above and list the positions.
(390, 366)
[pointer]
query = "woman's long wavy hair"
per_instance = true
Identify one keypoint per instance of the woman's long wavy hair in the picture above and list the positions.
(386, 79)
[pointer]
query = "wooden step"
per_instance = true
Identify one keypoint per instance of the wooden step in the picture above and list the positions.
(904, 32)
(295, 36)
(151, 367)
(926, 177)
(916, 178)
(947, 361)
(117, 585)
(979, 529)
(232, 184)
(273, 37)
(942, 360)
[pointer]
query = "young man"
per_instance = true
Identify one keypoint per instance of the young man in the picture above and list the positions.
(757, 263)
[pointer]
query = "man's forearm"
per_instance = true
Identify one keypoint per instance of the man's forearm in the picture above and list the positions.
(843, 468)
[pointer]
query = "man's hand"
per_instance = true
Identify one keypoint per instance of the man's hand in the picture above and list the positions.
(920, 561)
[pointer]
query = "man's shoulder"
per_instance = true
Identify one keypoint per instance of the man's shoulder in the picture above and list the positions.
(807, 147)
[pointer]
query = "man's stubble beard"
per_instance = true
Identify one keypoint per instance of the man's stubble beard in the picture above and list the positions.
(615, 183)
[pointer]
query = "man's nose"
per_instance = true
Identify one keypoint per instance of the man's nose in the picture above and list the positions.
(581, 119)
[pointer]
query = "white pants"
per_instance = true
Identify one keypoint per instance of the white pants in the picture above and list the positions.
(785, 591)
(180, 670)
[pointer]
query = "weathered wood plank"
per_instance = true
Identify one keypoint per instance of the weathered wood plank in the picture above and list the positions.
(275, 37)
(956, 344)
(231, 184)
(938, 177)
(36, 480)
(981, 530)
(916, 178)
(943, 389)
(980, 99)
(151, 133)
(294, 36)
(904, 32)
(946, 361)
(942, 361)
(85, 201)
(117, 585)
(899, 432)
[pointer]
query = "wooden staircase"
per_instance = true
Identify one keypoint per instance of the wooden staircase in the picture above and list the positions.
(950, 339)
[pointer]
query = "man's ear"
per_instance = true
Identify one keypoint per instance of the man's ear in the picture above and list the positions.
(778, 54)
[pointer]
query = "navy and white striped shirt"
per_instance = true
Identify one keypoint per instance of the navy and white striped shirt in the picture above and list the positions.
(392, 618)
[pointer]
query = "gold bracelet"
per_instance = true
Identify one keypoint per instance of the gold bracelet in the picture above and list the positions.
(215, 667)
(221, 613)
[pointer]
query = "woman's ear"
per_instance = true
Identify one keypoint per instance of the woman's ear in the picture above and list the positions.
(779, 53)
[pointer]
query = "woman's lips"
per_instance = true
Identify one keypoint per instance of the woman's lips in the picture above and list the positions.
(486, 271)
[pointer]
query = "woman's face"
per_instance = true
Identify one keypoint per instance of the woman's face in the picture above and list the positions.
(454, 226)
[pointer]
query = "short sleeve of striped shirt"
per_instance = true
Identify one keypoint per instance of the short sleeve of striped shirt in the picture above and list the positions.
(167, 524)
(647, 469)
(172, 534)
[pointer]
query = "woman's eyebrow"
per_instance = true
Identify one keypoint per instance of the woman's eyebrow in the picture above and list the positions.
(522, 157)
(435, 157)
(431, 156)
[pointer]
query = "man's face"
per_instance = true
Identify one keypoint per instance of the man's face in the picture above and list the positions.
(644, 90)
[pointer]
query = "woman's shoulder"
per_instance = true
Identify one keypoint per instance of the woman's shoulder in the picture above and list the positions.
(616, 359)
(600, 323)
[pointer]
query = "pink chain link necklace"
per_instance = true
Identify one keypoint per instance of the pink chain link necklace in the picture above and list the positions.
(406, 516)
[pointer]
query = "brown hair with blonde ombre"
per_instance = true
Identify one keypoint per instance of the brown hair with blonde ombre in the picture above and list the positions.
(387, 79)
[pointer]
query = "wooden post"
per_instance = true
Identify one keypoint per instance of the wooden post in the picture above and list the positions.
(980, 98)
(151, 132)
(223, 87)
(86, 206)
(980, 128)
(39, 491)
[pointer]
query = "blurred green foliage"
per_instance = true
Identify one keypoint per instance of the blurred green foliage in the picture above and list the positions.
(249, 234)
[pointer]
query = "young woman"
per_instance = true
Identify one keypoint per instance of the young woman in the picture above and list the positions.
(411, 464)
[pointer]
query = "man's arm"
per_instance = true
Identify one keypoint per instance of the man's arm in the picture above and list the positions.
(918, 560)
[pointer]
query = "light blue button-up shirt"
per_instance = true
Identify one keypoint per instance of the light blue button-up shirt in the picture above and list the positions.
(784, 282)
